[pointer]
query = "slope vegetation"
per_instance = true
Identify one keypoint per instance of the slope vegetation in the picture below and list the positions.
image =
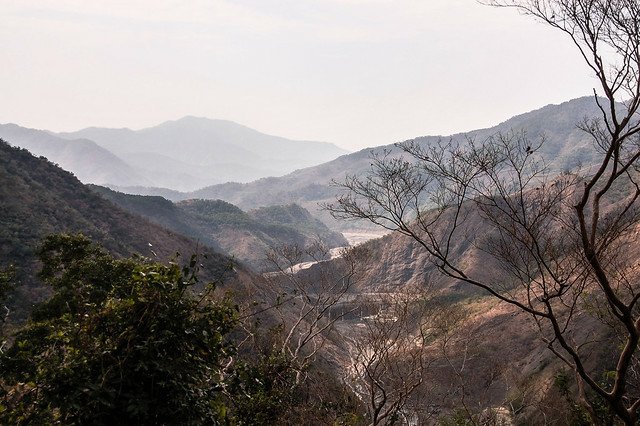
(245, 235)
(38, 198)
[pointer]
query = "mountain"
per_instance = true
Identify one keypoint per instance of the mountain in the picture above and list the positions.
(193, 152)
(38, 198)
(487, 355)
(88, 161)
(496, 350)
(565, 147)
(247, 236)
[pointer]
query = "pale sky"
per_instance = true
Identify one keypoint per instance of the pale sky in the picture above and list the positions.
(357, 73)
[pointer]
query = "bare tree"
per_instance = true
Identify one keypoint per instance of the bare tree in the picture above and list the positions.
(389, 358)
(561, 241)
(309, 302)
(413, 361)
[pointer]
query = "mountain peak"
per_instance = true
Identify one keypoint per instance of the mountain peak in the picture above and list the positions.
(192, 152)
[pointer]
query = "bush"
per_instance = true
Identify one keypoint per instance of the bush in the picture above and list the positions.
(120, 342)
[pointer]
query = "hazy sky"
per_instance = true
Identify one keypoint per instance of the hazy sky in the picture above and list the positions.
(354, 72)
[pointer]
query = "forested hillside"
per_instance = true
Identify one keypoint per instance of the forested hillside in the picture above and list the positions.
(248, 236)
(38, 198)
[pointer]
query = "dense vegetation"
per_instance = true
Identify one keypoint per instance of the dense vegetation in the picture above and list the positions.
(120, 341)
(223, 226)
(131, 341)
(38, 198)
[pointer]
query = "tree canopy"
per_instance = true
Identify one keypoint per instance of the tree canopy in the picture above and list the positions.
(121, 341)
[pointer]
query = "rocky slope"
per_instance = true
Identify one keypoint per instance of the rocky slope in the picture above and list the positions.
(484, 353)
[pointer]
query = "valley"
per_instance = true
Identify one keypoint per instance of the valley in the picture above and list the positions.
(286, 255)
(158, 270)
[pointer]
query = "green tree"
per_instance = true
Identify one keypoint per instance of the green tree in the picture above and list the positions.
(121, 341)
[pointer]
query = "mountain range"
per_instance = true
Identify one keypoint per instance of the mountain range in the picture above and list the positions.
(193, 152)
(497, 345)
(565, 147)
(184, 154)
(90, 162)
(247, 236)
(178, 159)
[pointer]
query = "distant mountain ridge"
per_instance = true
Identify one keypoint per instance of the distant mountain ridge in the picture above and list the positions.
(566, 146)
(193, 152)
(88, 161)
(184, 154)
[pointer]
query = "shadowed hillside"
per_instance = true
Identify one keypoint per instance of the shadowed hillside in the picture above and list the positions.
(38, 198)
(218, 224)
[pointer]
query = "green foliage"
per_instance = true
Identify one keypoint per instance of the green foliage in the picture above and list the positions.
(261, 391)
(217, 213)
(120, 342)
(576, 414)
(561, 381)
(459, 417)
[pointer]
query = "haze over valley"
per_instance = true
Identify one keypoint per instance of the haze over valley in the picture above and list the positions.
(422, 221)
(183, 155)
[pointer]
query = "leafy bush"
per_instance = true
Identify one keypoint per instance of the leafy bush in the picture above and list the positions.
(120, 342)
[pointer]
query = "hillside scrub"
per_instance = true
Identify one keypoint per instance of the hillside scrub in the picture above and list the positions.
(119, 341)
(247, 236)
